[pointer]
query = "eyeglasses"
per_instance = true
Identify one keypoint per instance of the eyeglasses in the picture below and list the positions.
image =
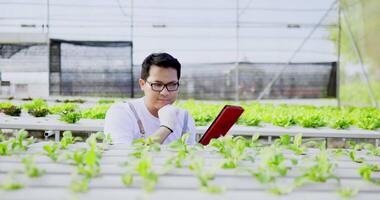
(158, 87)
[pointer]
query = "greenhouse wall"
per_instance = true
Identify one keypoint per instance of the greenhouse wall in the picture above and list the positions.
(100, 68)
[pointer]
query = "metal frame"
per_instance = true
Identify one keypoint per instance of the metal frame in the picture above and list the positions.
(269, 85)
(360, 58)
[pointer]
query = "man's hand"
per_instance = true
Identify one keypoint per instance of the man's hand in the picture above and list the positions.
(168, 116)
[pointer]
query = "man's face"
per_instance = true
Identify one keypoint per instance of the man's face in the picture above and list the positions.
(159, 76)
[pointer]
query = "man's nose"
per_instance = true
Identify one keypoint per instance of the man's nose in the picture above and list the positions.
(165, 91)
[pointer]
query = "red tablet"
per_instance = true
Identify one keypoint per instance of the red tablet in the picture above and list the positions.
(223, 122)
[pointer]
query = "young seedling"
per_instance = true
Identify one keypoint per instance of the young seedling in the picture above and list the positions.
(283, 190)
(87, 163)
(37, 108)
(337, 153)
(127, 179)
(105, 138)
(180, 144)
(284, 140)
(319, 172)
(4, 148)
(372, 150)
(283, 119)
(10, 183)
(96, 112)
(366, 170)
(368, 121)
(106, 101)
(234, 156)
(204, 177)
(80, 185)
(355, 146)
(13, 111)
(341, 123)
(347, 192)
(91, 166)
(12, 145)
(263, 176)
(67, 107)
(144, 169)
(272, 165)
(71, 100)
(4, 105)
(51, 151)
(12, 186)
(249, 119)
(141, 145)
(311, 120)
(20, 143)
(30, 140)
(92, 157)
(68, 139)
(296, 146)
(182, 149)
(70, 117)
(232, 149)
(353, 157)
(30, 168)
(78, 156)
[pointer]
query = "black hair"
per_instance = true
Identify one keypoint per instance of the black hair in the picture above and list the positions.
(164, 60)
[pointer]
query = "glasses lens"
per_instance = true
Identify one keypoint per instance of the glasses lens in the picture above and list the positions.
(172, 86)
(157, 86)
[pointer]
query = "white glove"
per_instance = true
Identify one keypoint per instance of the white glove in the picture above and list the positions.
(168, 116)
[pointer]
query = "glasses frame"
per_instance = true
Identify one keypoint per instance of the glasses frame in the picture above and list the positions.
(164, 86)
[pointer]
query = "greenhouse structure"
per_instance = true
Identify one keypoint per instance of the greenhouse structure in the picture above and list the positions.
(115, 99)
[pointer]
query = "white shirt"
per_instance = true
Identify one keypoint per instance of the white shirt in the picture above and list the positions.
(121, 123)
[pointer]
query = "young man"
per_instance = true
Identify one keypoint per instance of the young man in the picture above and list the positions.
(153, 114)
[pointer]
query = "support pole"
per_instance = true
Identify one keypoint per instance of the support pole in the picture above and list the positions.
(132, 79)
(56, 136)
(360, 57)
(237, 54)
(339, 54)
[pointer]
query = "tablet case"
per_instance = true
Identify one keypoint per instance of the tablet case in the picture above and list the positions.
(223, 122)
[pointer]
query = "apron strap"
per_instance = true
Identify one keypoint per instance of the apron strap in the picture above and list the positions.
(139, 122)
(184, 128)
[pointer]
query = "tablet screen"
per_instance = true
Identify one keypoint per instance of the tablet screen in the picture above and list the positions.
(223, 122)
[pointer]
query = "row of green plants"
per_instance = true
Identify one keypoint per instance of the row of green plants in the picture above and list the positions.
(57, 100)
(284, 115)
(14, 146)
(273, 163)
(81, 101)
(85, 159)
(255, 114)
(69, 112)
(269, 163)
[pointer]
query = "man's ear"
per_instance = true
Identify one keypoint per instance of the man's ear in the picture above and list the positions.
(141, 83)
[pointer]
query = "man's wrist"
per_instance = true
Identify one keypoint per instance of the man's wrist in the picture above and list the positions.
(171, 131)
